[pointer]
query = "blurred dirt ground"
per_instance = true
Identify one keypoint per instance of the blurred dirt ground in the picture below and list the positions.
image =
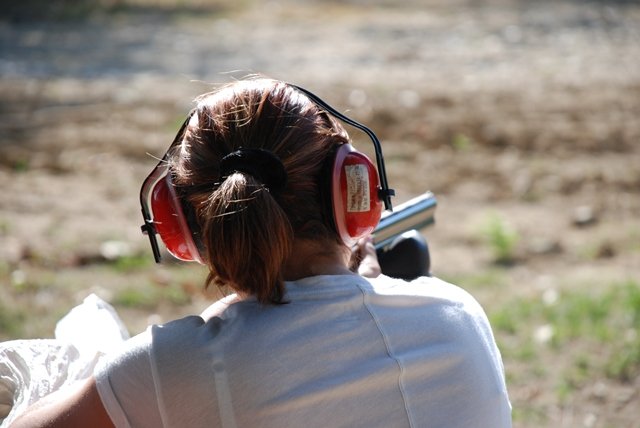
(524, 113)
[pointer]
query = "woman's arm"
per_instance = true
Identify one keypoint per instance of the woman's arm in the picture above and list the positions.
(77, 406)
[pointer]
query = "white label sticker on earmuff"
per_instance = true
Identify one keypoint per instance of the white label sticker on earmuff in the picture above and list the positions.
(357, 188)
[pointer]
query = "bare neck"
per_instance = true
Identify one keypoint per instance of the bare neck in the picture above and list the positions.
(311, 258)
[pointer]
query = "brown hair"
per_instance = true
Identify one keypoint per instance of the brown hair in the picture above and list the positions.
(248, 231)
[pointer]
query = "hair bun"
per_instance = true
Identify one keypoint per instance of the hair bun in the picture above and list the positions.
(261, 164)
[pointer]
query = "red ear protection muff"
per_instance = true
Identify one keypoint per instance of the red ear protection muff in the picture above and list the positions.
(171, 223)
(357, 193)
(356, 203)
(357, 189)
(163, 213)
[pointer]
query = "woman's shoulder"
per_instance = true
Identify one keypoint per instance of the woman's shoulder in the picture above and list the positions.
(428, 299)
(426, 286)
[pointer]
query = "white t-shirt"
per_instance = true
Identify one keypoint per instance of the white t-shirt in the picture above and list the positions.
(344, 352)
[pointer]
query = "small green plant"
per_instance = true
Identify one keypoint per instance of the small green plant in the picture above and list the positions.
(11, 322)
(624, 364)
(5, 226)
(501, 238)
(150, 296)
(461, 142)
(132, 262)
(21, 165)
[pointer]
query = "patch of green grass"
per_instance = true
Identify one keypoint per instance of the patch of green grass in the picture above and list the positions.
(5, 226)
(509, 318)
(597, 331)
(574, 376)
(25, 281)
(149, 296)
(494, 277)
(501, 239)
(21, 165)
(531, 414)
(11, 321)
(461, 142)
(579, 315)
(5, 268)
(565, 389)
(624, 364)
(588, 252)
(527, 352)
(136, 297)
(132, 262)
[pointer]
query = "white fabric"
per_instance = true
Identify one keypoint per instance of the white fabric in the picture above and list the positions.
(33, 368)
(345, 351)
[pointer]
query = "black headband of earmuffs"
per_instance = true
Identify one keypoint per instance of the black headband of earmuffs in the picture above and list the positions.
(385, 192)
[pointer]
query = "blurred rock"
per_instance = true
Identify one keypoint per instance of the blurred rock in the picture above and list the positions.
(544, 333)
(544, 246)
(18, 278)
(550, 297)
(584, 215)
(12, 250)
(606, 250)
(113, 250)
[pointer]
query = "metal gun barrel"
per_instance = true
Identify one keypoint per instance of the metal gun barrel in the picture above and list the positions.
(413, 214)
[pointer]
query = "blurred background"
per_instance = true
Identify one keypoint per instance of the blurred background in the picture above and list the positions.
(523, 117)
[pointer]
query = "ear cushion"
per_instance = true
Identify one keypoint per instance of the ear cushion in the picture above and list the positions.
(355, 194)
(170, 222)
